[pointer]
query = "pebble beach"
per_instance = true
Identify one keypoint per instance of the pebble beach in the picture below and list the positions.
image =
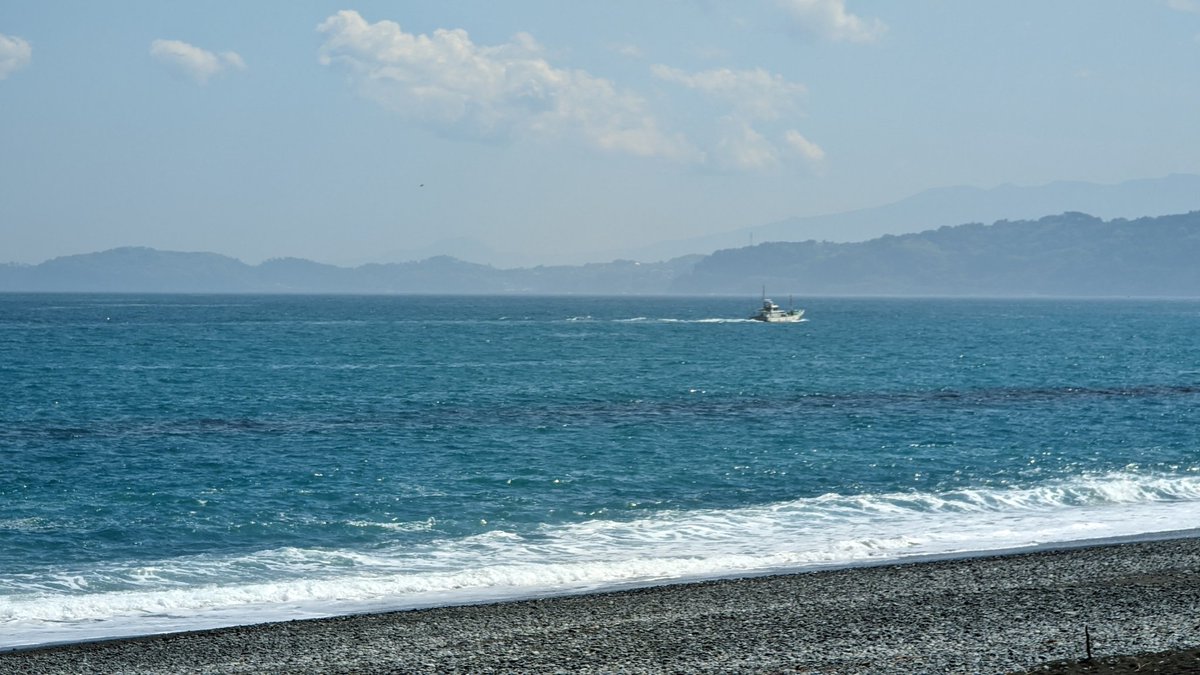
(1007, 613)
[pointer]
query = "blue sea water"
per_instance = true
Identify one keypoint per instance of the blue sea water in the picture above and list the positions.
(177, 462)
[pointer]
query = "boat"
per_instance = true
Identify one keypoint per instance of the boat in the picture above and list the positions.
(772, 313)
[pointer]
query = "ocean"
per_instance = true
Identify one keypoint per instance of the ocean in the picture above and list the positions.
(173, 462)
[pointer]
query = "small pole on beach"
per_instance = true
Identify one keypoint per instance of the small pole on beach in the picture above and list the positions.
(1087, 642)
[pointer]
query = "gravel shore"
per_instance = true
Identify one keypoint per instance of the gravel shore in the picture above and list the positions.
(986, 615)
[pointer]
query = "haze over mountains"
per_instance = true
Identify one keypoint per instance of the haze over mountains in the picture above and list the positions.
(1068, 254)
(930, 209)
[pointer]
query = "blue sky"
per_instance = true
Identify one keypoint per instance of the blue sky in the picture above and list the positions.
(561, 131)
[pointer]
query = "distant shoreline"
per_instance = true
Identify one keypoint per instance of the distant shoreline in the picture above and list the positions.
(979, 614)
(1065, 255)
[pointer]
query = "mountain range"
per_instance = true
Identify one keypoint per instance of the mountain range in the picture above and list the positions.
(1070, 254)
(938, 207)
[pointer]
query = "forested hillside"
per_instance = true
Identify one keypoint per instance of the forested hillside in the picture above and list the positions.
(1069, 254)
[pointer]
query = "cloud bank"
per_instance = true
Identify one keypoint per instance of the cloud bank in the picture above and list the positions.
(15, 54)
(457, 87)
(511, 91)
(193, 62)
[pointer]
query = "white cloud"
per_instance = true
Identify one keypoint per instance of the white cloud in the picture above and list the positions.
(193, 62)
(754, 98)
(829, 19)
(745, 149)
(15, 54)
(753, 93)
(629, 51)
(806, 148)
(233, 60)
(510, 90)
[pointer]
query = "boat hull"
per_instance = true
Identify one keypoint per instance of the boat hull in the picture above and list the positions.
(785, 317)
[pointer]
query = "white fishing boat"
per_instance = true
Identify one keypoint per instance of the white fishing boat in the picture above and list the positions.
(772, 313)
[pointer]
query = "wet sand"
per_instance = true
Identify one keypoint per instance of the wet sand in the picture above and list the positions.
(997, 614)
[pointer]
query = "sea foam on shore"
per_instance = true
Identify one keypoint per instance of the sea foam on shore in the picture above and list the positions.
(990, 614)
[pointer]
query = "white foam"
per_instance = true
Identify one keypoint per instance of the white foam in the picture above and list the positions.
(205, 591)
(643, 319)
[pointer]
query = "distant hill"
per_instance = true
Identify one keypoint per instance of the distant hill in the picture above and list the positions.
(137, 269)
(931, 209)
(1072, 254)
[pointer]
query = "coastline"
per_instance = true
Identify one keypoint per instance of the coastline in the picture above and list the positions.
(1000, 613)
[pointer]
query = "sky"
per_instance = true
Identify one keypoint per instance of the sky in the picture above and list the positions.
(558, 132)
